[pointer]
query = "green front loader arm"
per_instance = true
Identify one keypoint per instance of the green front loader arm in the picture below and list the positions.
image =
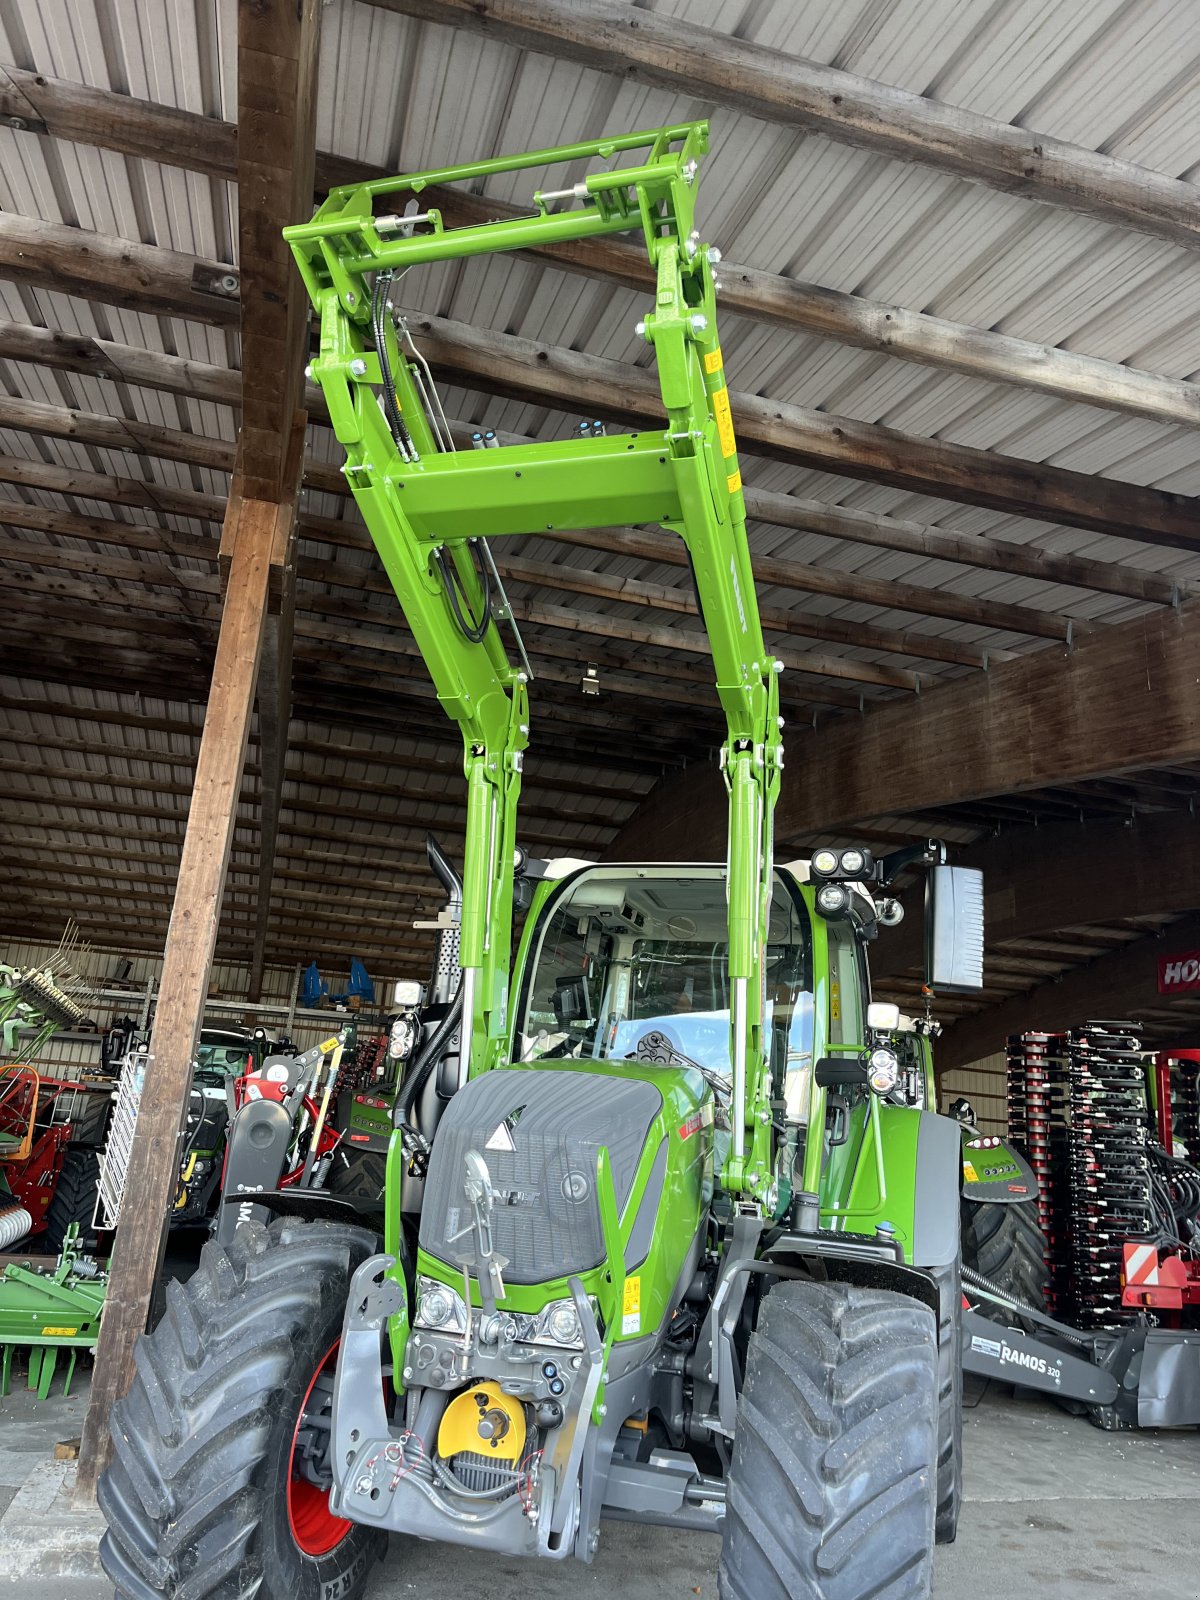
(428, 508)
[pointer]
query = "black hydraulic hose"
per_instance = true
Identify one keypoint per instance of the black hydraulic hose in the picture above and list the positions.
(472, 630)
(391, 404)
(431, 1053)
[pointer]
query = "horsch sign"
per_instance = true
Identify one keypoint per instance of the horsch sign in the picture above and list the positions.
(1178, 974)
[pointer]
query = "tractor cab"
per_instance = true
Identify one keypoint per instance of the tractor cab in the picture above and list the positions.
(631, 963)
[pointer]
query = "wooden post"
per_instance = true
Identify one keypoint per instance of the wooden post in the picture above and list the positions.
(153, 1172)
(277, 67)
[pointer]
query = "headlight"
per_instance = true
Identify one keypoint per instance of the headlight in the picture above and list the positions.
(832, 900)
(439, 1306)
(557, 1323)
(853, 862)
(562, 1323)
(883, 1069)
(824, 862)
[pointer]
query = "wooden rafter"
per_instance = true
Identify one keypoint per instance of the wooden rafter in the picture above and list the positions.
(532, 370)
(133, 127)
(703, 64)
(1121, 699)
(172, 444)
(118, 363)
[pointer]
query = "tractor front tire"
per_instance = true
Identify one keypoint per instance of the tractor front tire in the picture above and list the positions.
(208, 1495)
(74, 1200)
(833, 1483)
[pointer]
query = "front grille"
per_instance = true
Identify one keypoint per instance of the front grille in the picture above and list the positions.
(539, 1132)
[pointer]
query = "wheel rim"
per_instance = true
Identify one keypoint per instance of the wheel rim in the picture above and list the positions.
(315, 1528)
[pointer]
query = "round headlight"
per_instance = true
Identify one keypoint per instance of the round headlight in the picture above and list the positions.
(436, 1308)
(832, 899)
(883, 1069)
(825, 862)
(853, 861)
(562, 1324)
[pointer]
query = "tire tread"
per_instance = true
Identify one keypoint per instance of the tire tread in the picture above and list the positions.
(855, 1499)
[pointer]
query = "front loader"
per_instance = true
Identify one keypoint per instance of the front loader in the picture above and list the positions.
(663, 1237)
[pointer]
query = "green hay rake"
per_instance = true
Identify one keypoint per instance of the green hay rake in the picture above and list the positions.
(47, 1311)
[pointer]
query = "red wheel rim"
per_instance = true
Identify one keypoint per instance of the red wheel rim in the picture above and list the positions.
(314, 1527)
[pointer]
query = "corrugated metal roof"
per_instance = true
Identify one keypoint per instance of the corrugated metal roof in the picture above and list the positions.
(1112, 76)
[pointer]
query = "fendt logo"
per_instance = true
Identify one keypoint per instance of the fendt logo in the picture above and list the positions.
(1179, 973)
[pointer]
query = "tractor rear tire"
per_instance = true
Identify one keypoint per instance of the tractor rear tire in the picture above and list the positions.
(833, 1482)
(205, 1496)
(359, 1174)
(1006, 1245)
(74, 1200)
(950, 1402)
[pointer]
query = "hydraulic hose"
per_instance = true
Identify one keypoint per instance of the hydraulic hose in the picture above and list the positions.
(473, 630)
(431, 1053)
(391, 405)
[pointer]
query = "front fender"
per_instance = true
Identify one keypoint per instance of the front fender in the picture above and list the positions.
(993, 1173)
(903, 1169)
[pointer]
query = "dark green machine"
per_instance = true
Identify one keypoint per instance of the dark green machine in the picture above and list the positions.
(664, 1237)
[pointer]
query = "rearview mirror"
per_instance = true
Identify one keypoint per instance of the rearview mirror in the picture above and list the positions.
(954, 930)
(570, 1001)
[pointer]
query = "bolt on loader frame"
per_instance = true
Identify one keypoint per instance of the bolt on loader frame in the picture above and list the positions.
(729, 1298)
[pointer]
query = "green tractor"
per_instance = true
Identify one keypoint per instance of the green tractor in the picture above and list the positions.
(664, 1237)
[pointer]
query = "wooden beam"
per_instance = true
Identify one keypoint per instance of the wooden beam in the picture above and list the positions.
(204, 144)
(1038, 880)
(119, 272)
(140, 1240)
(506, 364)
(1115, 985)
(1121, 699)
(963, 549)
(148, 129)
(536, 777)
(703, 64)
(103, 358)
(278, 43)
(887, 594)
(544, 575)
(112, 362)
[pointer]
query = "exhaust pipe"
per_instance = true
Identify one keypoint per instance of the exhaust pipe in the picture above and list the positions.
(443, 870)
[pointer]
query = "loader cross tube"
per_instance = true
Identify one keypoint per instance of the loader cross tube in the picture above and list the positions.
(424, 505)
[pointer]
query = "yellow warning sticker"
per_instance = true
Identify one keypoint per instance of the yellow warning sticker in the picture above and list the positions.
(969, 1173)
(631, 1321)
(720, 404)
(59, 1333)
(712, 360)
(733, 482)
(327, 1046)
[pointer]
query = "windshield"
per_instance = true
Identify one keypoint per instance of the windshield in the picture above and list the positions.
(631, 962)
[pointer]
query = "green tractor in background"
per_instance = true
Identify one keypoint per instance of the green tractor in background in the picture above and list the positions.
(663, 1236)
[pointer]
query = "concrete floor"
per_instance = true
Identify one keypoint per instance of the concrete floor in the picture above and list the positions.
(1054, 1508)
